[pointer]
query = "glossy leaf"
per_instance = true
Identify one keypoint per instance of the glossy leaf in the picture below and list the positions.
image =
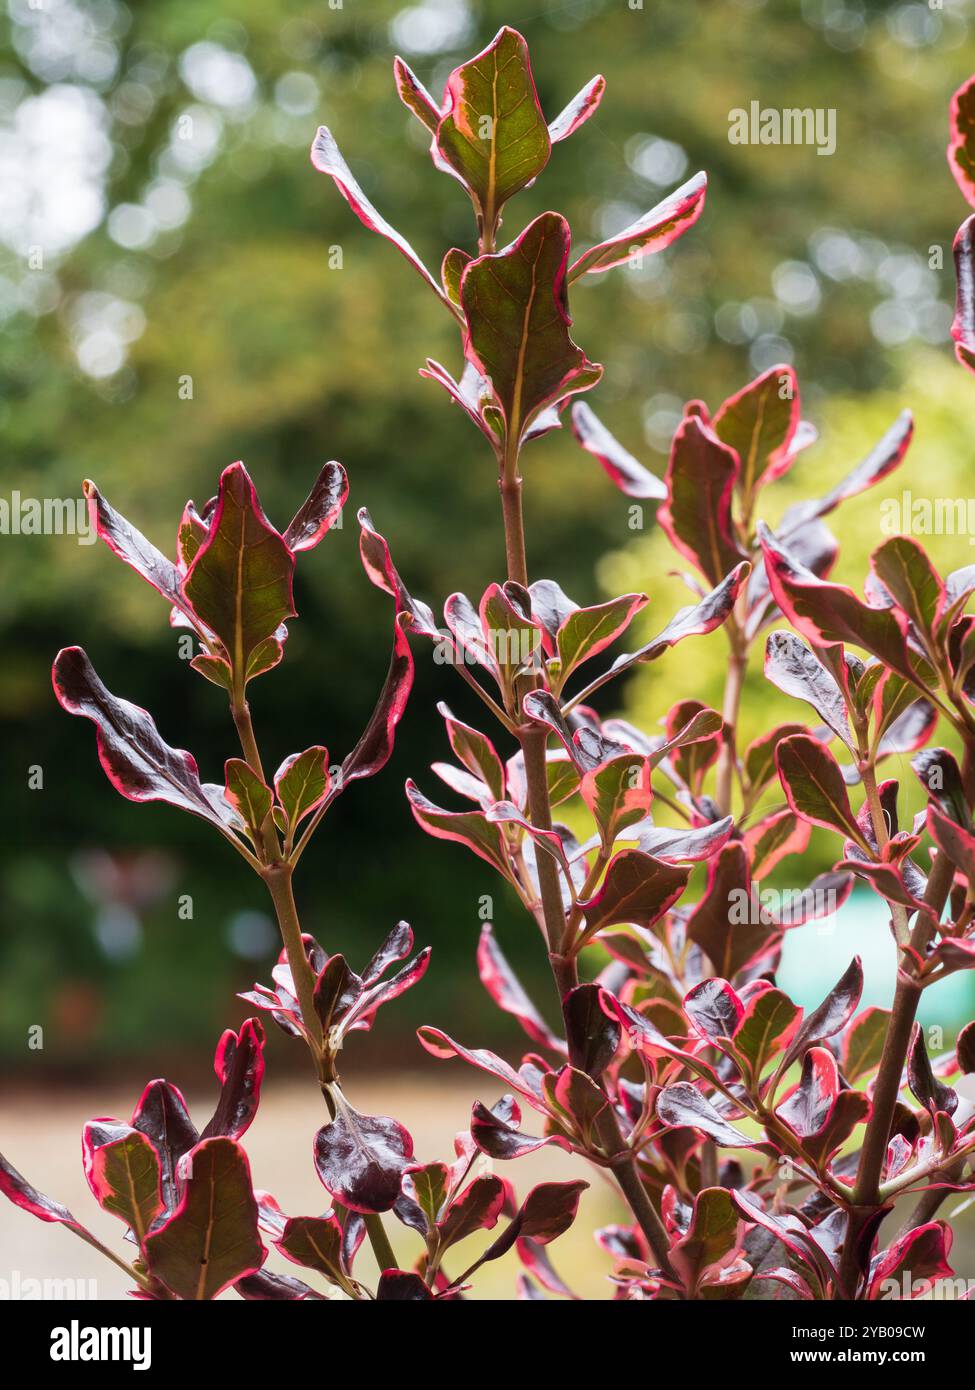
(303, 782)
(701, 477)
(327, 159)
(505, 989)
(826, 613)
(791, 666)
(654, 231)
(211, 1239)
(927, 1090)
(247, 794)
(637, 888)
(492, 133)
(863, 1043)
(619, 464)
(239, 583)
(136, 760)
(578, 111)
(124, 1176)
(130, 545)
(239, 1065)
(759, 422)
(814, 787)
(320, 510)
(963, 323)
(361, 1158)
(683, 1105)
(961, 146)
(517, 319)
(723, 923)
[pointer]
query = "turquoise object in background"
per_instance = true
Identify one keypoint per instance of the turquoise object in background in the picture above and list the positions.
(815, 956)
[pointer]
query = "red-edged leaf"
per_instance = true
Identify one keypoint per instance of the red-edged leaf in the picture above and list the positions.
(415, 96)
(711, 1240)
(578, 111)
(517, 323)
(247, 794)
(327, 159)
(814, 786)
(961, 145)
(963, 324)
(758, 760)
(239, 1065)
(239, 583)
(619, 464)
(826, 613)
(926, 1089)
(500, 1139)
(375, 747)
(759, 422)
(361, 1158)
(588, 631)
(767, 1026)
(549, 1210)
(438, 1044)
(492, 133)
(831, 1015)
(618, 794)
(693, 620)
(714, 1009)
(791, 666)
(637, 888)
(316, 1243)
(907, 574)
(320, 509)
(505, 989)
(654, 231)
(161, 1115)
(470, 828)
(18, 1190)
(863, 1043)
(123, 1172)
(770, 840)
(723, 923)
(130, 545)
(476, 751)
(302, 782)
(136, 760)
(211, 1239)
(882, 459)
(476, 1209)
(683, 1105)
(919, 1258)
(701, 477)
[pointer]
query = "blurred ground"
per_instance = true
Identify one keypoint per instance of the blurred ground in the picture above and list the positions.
(41, 1136)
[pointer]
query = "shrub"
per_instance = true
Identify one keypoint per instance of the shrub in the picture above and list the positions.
(682, 1046)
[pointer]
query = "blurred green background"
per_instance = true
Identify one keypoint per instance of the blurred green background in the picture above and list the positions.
(199, 248)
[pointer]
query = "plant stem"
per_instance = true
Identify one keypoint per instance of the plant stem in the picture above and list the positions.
(564, 969)
(866, 1191)
(278, 880)
(379, 1241)
(514, 528)
(734, 682)
(650, 1224)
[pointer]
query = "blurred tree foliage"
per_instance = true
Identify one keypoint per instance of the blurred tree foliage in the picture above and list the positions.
(297, 354)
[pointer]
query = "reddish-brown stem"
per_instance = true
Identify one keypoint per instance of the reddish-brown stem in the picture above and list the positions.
(734, 683)
(540, 809)
(866, 1190)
